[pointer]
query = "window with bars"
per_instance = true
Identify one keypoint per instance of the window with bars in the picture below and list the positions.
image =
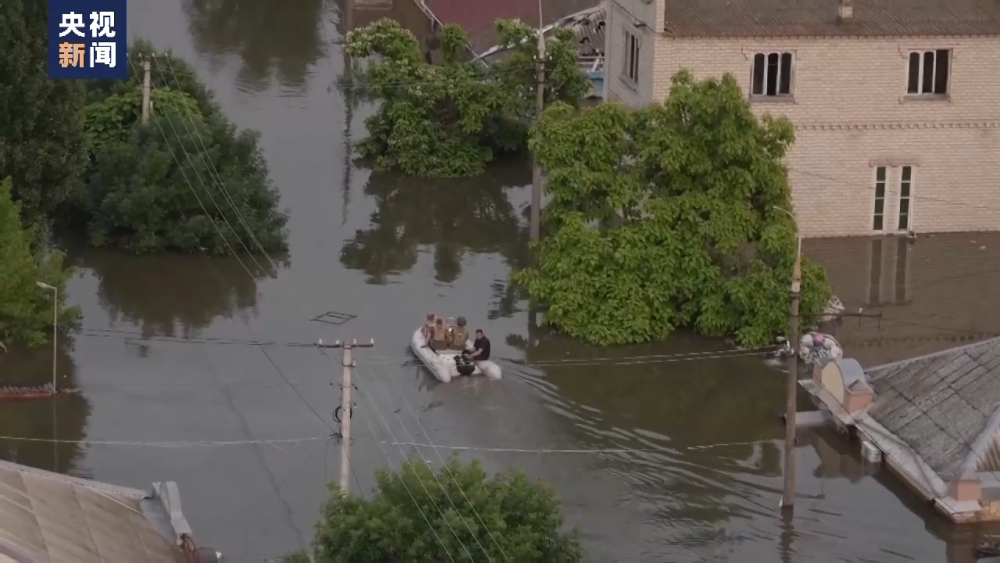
(631, 68)
(771, 74)
(905, 198)
(928, 72)
(878, 218)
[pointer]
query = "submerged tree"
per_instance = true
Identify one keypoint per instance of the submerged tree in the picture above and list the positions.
(410, 519)
(25, 308)
(670, 216)
(188, 181)
(450, 119)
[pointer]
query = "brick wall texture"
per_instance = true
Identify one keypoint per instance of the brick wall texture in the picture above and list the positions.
(850, 113)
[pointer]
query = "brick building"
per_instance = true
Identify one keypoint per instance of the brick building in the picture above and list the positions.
(895, 102)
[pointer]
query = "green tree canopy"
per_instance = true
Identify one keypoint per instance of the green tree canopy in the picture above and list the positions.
(670, 216)
(450, 119)
(410, 519)
(189, 182)
(42, 141)
(25, 308)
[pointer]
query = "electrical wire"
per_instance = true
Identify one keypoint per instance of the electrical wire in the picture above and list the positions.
(397, 444)
(402, 477)
(213, 170)
(448, 471)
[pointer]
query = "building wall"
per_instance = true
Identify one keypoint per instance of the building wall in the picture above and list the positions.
(851, 115)
(640, 19)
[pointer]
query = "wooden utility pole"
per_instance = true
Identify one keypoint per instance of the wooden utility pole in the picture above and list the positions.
(788, 499)
(346, 410)
(536, 175)
(146, 89)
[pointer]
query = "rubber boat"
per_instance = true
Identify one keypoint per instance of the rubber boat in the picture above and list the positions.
(442, 363)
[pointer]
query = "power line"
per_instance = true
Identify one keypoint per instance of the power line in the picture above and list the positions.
(399, 444)
(213, 170)
(402, 476)
(454, 480)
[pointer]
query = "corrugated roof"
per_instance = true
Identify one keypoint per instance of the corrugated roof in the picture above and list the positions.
(939, 404)
(788, 18)
(50, 518)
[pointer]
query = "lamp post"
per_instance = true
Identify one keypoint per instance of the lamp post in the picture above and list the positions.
(788, 497)
(55, 328)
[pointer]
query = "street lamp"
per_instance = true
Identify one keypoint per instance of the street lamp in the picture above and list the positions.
(55, 327)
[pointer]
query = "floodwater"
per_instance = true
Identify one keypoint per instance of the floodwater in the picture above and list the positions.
(166, 353)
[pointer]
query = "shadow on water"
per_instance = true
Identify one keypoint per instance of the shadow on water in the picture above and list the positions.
(62, 419)
(191, 292)
(275, 41)
(448, 217)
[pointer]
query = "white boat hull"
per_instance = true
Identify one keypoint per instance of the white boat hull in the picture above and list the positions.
(442, 363)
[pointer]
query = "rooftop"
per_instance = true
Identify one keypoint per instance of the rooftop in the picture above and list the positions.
(941, 405)
(477, 18)
(791, 18)
(46, 517)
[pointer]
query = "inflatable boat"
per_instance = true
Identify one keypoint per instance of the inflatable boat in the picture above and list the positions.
(442, 363)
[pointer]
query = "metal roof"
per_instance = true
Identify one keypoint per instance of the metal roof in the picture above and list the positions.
(46, 517)
(940, 404)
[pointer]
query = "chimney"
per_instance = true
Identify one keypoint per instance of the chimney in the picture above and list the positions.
(845, 10)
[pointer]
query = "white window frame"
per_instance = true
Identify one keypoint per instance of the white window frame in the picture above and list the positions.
(632, 48)
(875, 199)
(922, 54)
(908, 198)
(763, 95)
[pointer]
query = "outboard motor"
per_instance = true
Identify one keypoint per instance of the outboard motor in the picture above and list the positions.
(465, 367)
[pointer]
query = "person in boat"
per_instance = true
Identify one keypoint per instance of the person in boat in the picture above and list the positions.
(439, 336)
(458, 335)
(428, 329)
(480, 348)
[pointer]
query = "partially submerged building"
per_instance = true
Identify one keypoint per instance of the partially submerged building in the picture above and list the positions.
(46, 517)
(933, 420)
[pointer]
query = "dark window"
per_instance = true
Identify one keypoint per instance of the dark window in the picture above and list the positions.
(928, 72)
(905, 198)
(878, 219)
(631, 57)
(771, 74)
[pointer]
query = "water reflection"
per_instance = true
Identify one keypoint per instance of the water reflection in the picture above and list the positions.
(454, 217)
(171, 294)
(675, 409)
(62, 419)
(276, 41)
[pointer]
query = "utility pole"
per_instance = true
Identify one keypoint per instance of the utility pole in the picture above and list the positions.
(345, 411)
(536, 176)
(788, 499)
(146, 89)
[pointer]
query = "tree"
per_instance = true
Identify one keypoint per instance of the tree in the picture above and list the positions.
(42, 142)
(25, 309)
(669, 216)
(410, 519)
(188, 182)
(450, 119)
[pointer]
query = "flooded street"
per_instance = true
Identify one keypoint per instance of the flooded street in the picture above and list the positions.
(657, 457)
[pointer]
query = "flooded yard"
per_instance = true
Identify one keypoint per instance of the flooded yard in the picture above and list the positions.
(667, 452)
